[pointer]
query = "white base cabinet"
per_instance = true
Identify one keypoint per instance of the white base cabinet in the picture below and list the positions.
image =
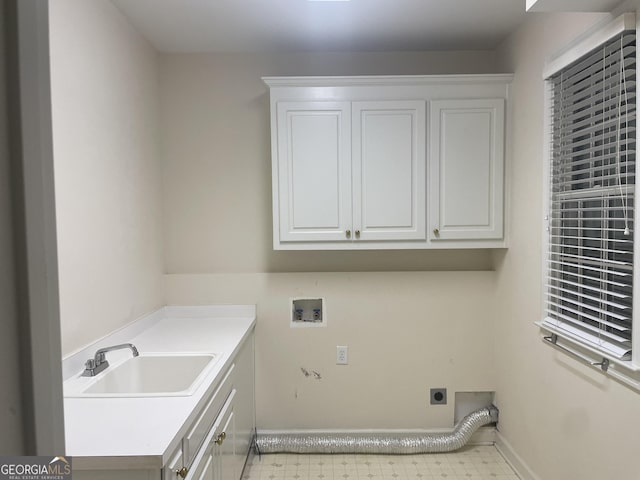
(400, 162)
(229, 421)
(217, 442)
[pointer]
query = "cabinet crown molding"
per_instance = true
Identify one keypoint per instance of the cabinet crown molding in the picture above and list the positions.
(391, 80)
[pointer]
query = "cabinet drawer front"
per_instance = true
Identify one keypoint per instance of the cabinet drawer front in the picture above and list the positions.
(201, 426)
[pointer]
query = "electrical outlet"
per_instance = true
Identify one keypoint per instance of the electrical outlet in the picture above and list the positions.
(342, 355)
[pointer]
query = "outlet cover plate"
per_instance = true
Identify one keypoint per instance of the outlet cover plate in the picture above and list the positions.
(438, 396)
(342, 355)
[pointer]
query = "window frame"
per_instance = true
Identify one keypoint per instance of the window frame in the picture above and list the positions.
(626, 371)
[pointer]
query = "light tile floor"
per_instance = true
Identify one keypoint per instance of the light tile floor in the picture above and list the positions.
(469, 463)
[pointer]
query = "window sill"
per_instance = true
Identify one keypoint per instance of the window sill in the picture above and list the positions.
(624, 371)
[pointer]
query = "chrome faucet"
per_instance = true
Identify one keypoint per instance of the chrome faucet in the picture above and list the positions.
(98, 363)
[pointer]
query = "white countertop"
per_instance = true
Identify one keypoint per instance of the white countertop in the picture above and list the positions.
(143, 432)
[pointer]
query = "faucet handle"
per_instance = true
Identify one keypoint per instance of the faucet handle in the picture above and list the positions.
(99, 362)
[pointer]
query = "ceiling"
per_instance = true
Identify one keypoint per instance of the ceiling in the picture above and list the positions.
(303, 25)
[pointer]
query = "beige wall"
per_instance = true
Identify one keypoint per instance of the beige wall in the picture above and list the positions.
(406, 331)
(452, 323)
(217, 161)
(566, 420)
(11, 443)
(105, 84)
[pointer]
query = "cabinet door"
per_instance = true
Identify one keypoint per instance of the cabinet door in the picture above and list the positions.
(224, 442)
(207, 468)
(313, 178)
(215, 459)
(389, 162)
(175, 464)
(203, 467)
(466, 169)
(228, 461)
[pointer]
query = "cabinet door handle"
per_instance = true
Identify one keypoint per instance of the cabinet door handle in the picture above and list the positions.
(182, 472)
(348, 233)
(220, 439)
(357, 233)
(436, 232)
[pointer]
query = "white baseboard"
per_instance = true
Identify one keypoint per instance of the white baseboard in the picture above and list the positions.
(484, 436)
(513, 459)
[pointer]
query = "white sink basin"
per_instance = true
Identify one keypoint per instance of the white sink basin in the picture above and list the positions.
(148, 375)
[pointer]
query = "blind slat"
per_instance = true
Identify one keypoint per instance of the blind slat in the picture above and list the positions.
(562, 280)
(593, 269)
(565, 84)
(572, 291)
(576, 145)
(595, 239)
(603, 113)
(588, 229)
(582, 305)
(586, 326)
(584, 209)
(617, 192)
(595, 108)
(596, 249)
(590, 161)
(609, 180)
(601, 156)
(593, 261)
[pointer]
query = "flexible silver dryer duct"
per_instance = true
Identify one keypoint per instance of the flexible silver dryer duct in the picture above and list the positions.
(376, 443)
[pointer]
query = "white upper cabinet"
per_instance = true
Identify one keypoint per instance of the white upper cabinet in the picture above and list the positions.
(400, 162)
(466, 169)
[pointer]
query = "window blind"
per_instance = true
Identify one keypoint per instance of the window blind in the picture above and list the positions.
(589, 278)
